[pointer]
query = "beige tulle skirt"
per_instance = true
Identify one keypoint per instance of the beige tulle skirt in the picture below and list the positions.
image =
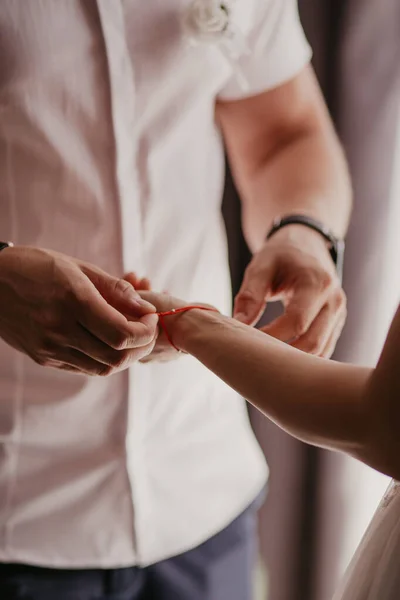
(374, 573)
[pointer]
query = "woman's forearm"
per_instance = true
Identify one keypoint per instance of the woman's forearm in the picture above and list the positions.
(328, 404)
(318, 401)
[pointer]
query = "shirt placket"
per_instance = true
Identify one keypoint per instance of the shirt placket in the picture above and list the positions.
(122, 96)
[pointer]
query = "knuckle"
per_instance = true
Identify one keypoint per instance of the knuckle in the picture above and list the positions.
(326, 280)
(122, 287)
(121, 340)
(339, 301)
(105, 371)
(317, 279)
(299, 323)
(244, 295)
(119, 360)
(313, 346)
(41, 359)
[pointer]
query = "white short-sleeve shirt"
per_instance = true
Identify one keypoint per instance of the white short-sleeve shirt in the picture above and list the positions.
(109, 152)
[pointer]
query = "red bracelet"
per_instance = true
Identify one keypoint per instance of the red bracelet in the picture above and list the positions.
(176, 311)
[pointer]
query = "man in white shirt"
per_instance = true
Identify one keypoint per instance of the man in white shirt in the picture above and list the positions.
(141, 484)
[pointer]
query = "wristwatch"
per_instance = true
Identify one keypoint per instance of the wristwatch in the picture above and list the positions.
(4, 245)
(336, 246)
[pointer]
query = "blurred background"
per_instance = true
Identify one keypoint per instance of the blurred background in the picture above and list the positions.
(320, 503)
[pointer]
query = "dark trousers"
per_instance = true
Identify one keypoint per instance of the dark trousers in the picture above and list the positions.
(219, 569)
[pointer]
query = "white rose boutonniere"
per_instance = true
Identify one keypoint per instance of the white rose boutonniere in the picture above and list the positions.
(210, 22)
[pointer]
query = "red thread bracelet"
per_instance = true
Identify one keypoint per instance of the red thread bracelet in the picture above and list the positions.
(176, 311)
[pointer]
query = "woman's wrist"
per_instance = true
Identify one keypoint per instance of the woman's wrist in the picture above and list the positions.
(189, 326)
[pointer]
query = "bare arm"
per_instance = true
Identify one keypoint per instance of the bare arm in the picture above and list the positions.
(336, 406)
(286, 158)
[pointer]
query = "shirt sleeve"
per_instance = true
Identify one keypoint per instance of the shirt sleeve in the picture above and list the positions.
(278, 50)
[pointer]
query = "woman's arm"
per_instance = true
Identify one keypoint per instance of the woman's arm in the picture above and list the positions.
(336, 406)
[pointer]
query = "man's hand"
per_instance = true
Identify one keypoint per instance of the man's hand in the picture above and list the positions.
(164, 302)
(162, 351)
(294, 266)
(68, 314)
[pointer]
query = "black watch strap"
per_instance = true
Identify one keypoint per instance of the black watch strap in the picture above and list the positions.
(335, 245)
(4, 245)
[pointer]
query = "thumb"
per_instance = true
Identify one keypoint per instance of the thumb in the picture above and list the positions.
(121, 295)
(251, 299)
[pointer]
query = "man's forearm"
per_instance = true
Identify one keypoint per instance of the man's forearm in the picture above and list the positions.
(306, 174)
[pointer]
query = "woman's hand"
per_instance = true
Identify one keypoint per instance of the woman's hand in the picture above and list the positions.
(163, 302)
(166, 303)
(163, 350)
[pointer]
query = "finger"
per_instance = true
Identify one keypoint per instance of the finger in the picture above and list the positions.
(319, 332)
(162, 302)
(330, 346)
(75, 360)
(113, 328)
(138, 283)
(78, 362)
(144, 284)
(119, 293)
(89, 345)
(250, 301)
(298, 317)
(162, 356)
(131, 278)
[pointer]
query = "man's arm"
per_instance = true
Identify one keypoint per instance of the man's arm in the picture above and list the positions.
(286, 159)
(71, 315)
